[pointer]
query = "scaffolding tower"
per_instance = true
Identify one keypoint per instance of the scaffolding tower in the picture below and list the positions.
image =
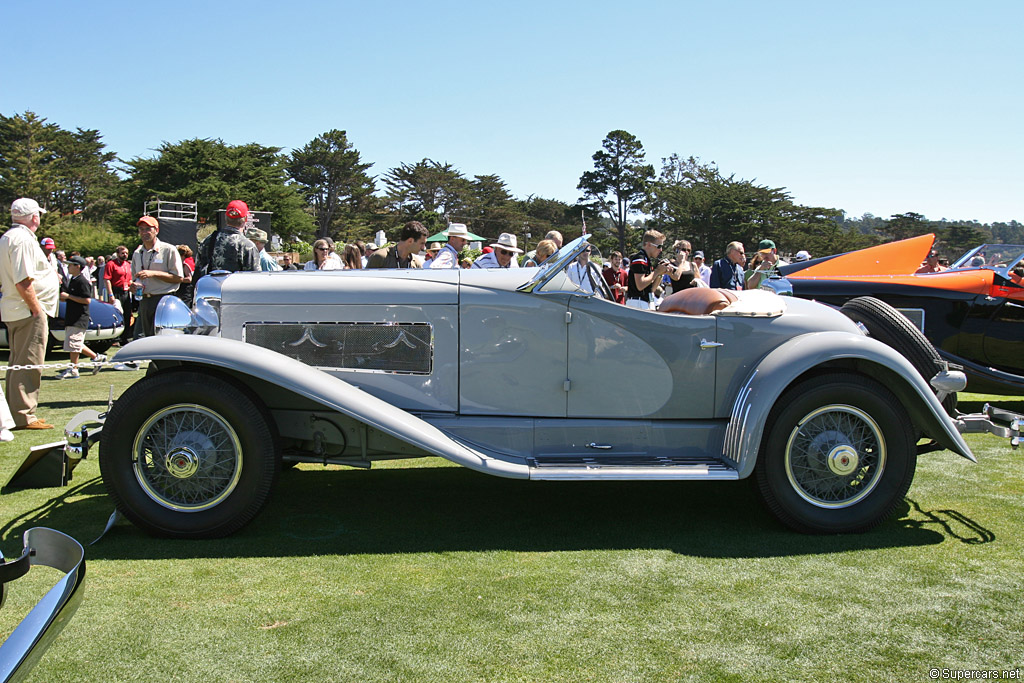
(182, 210)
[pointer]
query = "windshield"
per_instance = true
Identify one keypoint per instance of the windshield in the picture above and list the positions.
(995, 256)
(575, 268)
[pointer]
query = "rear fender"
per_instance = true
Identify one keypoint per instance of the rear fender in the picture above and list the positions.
(318, 386)
(786, 364)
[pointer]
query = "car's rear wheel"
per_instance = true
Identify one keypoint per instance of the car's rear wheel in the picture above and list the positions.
(889, 326)
(188, 455)
(838, 455)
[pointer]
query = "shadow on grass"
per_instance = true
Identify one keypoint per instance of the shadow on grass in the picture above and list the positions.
(450, 509)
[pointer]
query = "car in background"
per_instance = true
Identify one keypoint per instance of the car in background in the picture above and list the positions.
(106, 326)
(973, 313)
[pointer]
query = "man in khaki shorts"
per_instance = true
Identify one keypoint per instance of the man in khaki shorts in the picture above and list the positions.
(31, 289)
(76, 319)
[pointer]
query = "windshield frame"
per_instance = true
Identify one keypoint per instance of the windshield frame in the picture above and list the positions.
(1003, 267)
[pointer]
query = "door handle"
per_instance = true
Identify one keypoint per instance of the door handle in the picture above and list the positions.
(705, 344)
(599, 446)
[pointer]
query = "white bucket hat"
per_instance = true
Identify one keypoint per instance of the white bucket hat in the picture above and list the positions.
(507, 240)
(457, 230)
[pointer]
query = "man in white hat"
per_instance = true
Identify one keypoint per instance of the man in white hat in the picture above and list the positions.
(448, 257)
(503, 256)
(32, 291)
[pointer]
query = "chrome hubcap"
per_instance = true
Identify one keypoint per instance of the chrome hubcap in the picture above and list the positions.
(182, 463)
(842, 460)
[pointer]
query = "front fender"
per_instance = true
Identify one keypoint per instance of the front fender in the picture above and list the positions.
(784, 364)
(321, 387)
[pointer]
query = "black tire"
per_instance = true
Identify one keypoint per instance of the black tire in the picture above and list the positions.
(186, 454)
(101, 345)
(838, 455)
(889, 326)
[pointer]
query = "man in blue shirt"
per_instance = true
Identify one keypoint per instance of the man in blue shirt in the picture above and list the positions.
(727, 272)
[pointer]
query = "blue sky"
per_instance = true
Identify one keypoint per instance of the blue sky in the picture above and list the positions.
(881, 107)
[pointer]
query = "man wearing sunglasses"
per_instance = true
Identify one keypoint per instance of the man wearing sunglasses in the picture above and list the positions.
(728, 271)
(503, 256)
(642, 275)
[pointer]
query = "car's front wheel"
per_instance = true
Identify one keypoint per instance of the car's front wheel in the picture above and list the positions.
(838, 456)
(188, 455)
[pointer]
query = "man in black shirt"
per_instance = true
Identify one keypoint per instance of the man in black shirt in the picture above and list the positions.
(228, 249)
(642, 275)
(76, 319)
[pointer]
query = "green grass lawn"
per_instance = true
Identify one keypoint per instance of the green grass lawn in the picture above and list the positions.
(423, 571)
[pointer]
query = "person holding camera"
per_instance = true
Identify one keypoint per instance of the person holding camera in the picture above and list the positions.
(642, 274)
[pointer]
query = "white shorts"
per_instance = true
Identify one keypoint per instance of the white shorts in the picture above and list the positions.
(74, 339)
(639, 303)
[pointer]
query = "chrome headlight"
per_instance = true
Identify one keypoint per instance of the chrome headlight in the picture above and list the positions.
(174, 317)
(779, 285)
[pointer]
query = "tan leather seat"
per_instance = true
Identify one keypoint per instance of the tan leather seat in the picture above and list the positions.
(697, 301)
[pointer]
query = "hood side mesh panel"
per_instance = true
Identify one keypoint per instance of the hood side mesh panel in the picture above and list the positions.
(387, 347)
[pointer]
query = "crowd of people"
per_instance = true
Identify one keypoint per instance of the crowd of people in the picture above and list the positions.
(35, 276)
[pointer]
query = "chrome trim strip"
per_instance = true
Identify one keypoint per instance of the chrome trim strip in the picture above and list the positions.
(736, 431)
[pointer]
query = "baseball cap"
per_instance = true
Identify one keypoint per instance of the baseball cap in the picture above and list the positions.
(237, 209)
(698, 254)
(78, 261)
(25, 207)
(148, 220)
(765, 246)
(47, 242)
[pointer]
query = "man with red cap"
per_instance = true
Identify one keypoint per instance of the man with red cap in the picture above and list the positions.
(228, 249)
(156, 266)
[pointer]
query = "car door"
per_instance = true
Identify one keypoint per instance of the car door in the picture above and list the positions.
(512, 353)
(628, 363)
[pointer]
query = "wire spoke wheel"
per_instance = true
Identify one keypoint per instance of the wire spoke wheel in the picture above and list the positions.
(189, 454)
(187, 458)
(838, 454)
(835, 456)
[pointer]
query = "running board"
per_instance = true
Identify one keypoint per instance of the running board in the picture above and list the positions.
(589, 467)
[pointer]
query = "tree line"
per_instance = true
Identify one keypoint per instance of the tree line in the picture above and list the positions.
(325, 189)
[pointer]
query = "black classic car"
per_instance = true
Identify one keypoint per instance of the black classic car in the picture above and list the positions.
(973, 312)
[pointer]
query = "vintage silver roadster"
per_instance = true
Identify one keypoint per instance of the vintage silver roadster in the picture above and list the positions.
(515, 373)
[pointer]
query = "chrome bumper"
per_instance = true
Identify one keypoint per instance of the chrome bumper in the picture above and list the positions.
(991, 420)
(47, 548)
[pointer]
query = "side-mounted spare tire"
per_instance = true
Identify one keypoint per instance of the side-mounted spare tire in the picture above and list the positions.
(186, 454)
(889, 326)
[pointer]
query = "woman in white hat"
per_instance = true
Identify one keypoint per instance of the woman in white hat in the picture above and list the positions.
(503, 256)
